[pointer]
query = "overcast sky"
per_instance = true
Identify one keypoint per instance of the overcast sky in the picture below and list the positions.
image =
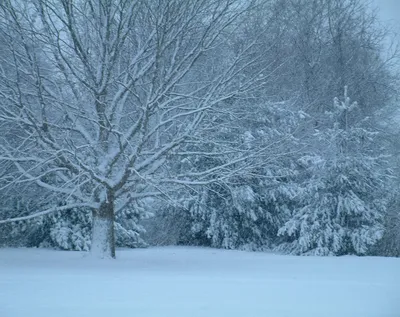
(389, 11)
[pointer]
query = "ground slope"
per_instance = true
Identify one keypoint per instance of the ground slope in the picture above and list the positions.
(196, 282)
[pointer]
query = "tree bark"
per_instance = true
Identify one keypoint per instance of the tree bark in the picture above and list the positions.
(103, 236)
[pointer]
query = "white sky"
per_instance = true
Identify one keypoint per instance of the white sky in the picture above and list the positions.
(389, 11)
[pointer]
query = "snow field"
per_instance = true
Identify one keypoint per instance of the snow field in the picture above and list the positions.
(196, 282)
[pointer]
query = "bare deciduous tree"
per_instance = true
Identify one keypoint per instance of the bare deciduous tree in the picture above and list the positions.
(96, 95)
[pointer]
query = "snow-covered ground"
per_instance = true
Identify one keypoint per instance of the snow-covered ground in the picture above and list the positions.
(196, 282)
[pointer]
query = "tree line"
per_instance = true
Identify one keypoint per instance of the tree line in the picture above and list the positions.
(232, 124)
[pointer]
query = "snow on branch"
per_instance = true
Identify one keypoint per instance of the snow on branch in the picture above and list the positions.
(51, 210)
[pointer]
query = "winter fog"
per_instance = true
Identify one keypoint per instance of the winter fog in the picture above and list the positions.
(139, 138)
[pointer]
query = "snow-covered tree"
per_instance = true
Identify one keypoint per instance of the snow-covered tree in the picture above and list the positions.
(342, 204)
(246, 210)
(96, 96)
(71, 230)
(322, 45)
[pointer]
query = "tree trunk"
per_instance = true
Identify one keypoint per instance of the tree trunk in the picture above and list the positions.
(103, 236)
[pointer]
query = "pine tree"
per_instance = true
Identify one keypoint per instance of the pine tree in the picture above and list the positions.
(342, 204)
(71, 230)
(246, 210)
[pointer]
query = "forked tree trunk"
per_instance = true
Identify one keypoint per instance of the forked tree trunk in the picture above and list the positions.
(103, 236)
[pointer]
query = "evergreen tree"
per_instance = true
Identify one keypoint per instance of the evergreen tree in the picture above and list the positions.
(246, 210)
(71, 230)
(341, 206)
